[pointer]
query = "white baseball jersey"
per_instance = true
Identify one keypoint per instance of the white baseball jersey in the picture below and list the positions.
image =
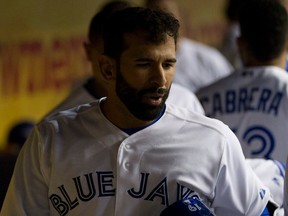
(285, 201)
(178, 95)
(199, 65)
(253, 102)
(79, 163)
(271, 173)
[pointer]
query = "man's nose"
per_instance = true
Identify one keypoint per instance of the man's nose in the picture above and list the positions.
(158, 76)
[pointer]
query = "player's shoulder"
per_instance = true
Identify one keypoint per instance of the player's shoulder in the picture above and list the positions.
(192, 44)
(179, 88)
(78, 111)
(73, 119)
(180, 91)
(202, 49)
(219, 84)
(272, 71)
(181, 96)
(76, 97)
(197, 119)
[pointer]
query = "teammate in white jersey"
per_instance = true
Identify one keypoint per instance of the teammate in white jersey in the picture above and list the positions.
(130, 153)
(93, 87)
(253, 101)
(272, 174)
(285, 200)
(197, 64)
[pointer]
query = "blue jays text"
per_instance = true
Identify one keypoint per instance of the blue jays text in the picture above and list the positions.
(63, 202)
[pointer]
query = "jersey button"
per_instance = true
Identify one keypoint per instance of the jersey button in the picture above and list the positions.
(128, 146)
(127, 164)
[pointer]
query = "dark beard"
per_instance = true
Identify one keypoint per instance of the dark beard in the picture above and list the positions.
(133, 99)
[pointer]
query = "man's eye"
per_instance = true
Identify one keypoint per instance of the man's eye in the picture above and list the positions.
(168, 65)
(143, 64)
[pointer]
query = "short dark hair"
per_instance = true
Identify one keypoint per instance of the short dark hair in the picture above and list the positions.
(155, 25)
(263, 25)
(98, 21)
(232, 8)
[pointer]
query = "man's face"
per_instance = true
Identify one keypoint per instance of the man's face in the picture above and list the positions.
(144, 75)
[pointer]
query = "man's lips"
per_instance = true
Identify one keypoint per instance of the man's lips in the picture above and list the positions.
(153, 99)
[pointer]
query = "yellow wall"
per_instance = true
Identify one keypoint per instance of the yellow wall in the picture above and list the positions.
(41, 53)
(204, 20)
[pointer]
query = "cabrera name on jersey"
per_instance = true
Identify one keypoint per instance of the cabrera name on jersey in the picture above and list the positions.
(253, 103)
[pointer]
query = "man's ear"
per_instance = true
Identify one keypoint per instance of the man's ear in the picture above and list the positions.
(107, 67)
(87, 48)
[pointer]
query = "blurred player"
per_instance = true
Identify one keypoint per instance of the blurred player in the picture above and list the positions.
(253, 101)
(16, 138)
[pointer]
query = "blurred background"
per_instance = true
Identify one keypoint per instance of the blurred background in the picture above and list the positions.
(41, 53)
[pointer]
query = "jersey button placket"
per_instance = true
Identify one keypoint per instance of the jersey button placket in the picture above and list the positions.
(127, 165)
(128, 148)
(127, 152)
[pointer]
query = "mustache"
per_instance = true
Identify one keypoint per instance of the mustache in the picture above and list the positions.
(157, 90)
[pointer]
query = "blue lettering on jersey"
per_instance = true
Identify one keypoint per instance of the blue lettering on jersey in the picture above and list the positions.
(71, 204)
(91, 188)
(262, 193)
(105, 187)
(261, 138)
(230, 104)
(142, 189)
(242, 100)
(61, 206)
(161, 191)
(86, 191)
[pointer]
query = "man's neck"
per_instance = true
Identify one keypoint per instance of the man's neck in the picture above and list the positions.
(277, 62)
(95, 88)
(121, 117)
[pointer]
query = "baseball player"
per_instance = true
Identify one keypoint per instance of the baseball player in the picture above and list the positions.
(94, 87)
(130, 153)
(253, 101)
